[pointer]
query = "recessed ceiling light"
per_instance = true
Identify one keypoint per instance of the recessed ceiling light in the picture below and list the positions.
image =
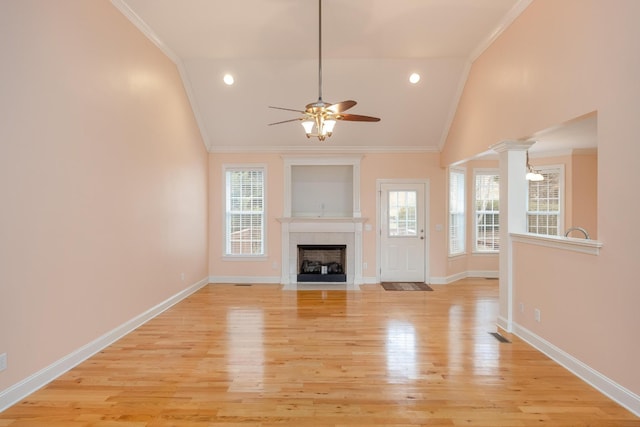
(228, 79)
(414, 78)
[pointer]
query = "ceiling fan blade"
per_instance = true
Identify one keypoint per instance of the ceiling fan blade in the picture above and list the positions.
(287, 109)
(341, 106)
(357, 118)
(284, 121)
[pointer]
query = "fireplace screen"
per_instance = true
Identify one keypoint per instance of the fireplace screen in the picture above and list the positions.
(322, 263)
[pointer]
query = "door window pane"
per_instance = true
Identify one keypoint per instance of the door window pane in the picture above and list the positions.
(403, 213)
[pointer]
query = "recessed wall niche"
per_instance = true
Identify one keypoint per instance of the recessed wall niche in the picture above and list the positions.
(322, 191)
(322, 187)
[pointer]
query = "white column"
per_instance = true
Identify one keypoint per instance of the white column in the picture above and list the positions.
(513, 217)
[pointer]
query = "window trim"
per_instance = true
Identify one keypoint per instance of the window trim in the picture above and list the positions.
(476, 172)
(561, 202)
(244, 167)
(462, 171)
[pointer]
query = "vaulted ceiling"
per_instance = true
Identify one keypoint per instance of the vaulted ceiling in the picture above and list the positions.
(369, 49)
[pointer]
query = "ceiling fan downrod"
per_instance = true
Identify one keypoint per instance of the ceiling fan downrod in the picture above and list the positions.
(320, 51)
(321, 115)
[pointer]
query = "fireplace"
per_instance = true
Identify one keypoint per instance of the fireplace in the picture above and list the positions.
(322, 263)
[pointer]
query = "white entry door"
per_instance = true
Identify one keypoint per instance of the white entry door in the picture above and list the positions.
(402, 232)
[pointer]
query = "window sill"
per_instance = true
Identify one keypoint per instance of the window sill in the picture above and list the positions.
(460, 255)
(586, 246)
(245, 258)
(485, 253)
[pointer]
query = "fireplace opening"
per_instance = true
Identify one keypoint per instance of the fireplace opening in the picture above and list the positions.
(322, 263)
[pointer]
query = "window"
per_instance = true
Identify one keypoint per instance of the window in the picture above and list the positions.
(403, 208)
(487, 211)
(456, 212)
(245, 210)
(544, 206)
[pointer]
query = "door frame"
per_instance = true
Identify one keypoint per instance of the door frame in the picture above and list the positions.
(427, 237)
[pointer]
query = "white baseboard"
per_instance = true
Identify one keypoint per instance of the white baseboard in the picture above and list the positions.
(447, 279)
(605, 385)
(19, 391)
(463, 275)
(503, 323)
(487, 274)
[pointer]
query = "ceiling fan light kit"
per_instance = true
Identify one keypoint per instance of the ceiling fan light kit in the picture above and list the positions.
(319, 118)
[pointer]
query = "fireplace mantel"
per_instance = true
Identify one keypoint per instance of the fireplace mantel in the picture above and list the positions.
(323, 224)
(304, 220)
(320, 219)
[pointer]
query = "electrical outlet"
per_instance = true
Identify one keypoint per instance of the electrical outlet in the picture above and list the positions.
(182, 276)
(364, 265)
(3, 361)
(536, 314)
(521, 307)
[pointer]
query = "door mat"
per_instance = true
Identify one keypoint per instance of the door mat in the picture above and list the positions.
(405, 286)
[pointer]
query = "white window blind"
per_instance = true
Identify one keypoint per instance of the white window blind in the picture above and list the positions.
(544, 207)
(456, 212)
(244, 212)
(487, 211)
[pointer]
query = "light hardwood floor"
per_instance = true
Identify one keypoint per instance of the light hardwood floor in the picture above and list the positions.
(258, 356)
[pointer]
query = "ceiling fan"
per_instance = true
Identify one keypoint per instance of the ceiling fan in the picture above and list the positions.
(322, 115)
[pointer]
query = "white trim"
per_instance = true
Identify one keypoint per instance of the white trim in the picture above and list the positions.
(326, 160)
(585, 246)
(226, 167)
(321, 286)
(447, 279)
(315, 226)
(19, 391)
(484, 274)
(487, 274)
(560, 169)
(474, 213)
(600, 382)
(465, 210)
(145, 29)
(242, 258)
(253, 280)
(503, 323)
(321, 149)
(506, 21)
(369, 280)
(426, 208)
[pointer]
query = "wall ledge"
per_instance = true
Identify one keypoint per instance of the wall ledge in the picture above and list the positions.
(586, 246)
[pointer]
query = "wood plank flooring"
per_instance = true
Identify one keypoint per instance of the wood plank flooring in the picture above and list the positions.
(259, 356)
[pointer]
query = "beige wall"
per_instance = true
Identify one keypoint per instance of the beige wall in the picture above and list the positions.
(373, 167)
(103, 180)
(584, 179)
(560, 60)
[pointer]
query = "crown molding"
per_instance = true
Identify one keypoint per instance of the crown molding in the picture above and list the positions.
(323, 149)
(506, 21)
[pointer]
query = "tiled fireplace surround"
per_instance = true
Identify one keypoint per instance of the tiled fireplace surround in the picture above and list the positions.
(317, 231)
